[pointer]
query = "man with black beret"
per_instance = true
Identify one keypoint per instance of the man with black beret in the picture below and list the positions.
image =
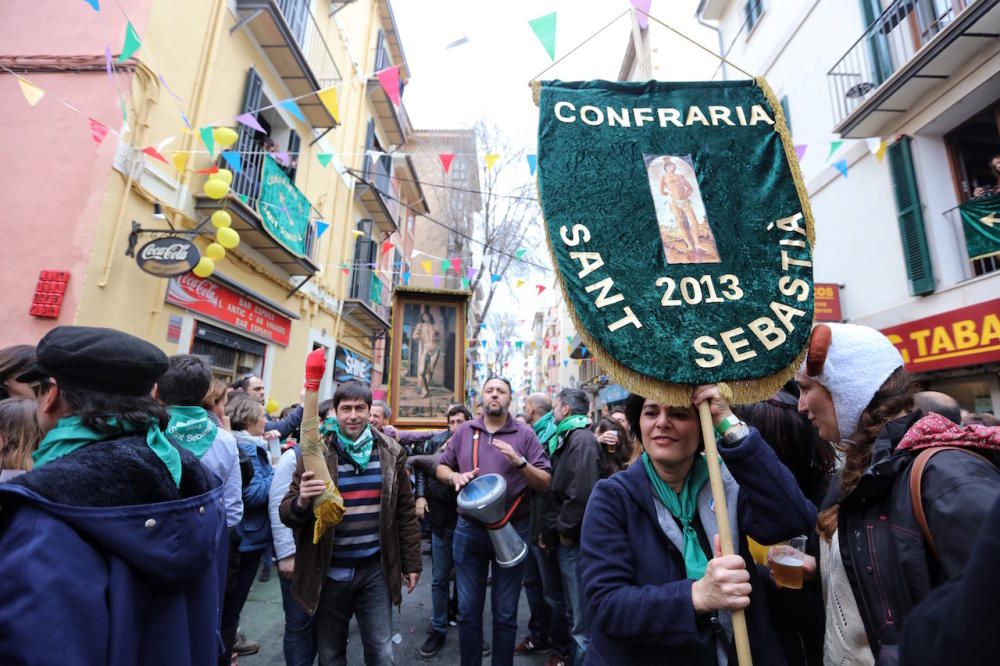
(114, 545)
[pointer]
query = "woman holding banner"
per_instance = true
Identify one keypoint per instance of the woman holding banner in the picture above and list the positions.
(659, 590)
(877, 558)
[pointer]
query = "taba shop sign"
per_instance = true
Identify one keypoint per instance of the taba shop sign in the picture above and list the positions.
(959, 338)
(168, 257)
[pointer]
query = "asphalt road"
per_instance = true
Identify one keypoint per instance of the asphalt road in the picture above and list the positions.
(263, 620)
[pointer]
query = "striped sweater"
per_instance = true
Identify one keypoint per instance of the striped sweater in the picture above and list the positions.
(356, 538)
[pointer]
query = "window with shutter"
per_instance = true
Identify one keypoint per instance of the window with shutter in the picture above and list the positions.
(916, 253)
(364, 256)
(246, 183)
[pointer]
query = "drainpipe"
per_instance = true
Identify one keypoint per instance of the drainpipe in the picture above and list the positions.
(718, 33)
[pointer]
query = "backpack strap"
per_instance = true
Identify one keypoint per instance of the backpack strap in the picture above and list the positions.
(916, 497)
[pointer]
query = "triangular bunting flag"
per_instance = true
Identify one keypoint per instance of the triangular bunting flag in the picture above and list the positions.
(32, 93)
(389, 78)
(834, 147)
(545, 29)
(800, 151)
(233, 160)
(180, 161)
(494, 278)
(357, 233)
(406, 278)
(437, 281)
(346, 270)
(841, 166)
(456, 265)
(329, 99)
(376, 290)
(324, 158)
(569, 339)
(282, 158)
(446, 159)
(152, 152)
(465, 283)
(519, 284)
(641, 17)
(873, 143)
(521, 252)
(209, 171)
(250, 121)
(96, 4)
(490, 159)
(131, 45)
(108, 67)
(880, 153)
(565, 362)
(532, 163)
(97, 131)
(445, 265)
(207, 138)
(386, 246)
(321, 227)
(470, 272)
(426, 265)
(482, 327)
(292, 108)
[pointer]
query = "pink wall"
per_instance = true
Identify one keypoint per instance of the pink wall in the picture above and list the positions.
(56, 177)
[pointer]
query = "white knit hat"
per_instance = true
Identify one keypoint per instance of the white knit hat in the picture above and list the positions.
(858, 361)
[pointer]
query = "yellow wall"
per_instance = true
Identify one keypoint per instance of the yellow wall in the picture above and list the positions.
(189, 43)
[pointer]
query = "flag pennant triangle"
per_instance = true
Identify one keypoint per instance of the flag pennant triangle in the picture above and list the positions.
(233, 160)
(446, 160)
(32, 93)
(131, 45)
(389, 79)
(544, 28)
(406, 278)
(456, 265)
(324, 158)
(180, 161)
(426, 265)
(152, 152)
(207, 138)
(800, 151)
(880, 153)
(445, 265)
(329, 99)
(437, 281)
(321, 227)
(292, 108)
(519, 284)
(96, 4)
(283, 158)
(97, 131)
(494, 278)
(841, 166)
(490, 159)
(834, 147)
(209, 171)
(386, 246)
(465, 283)
(250, 121)
(641, 16)
(532, 163)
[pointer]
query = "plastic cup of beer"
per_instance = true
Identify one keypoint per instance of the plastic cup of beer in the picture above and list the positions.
(786, 561)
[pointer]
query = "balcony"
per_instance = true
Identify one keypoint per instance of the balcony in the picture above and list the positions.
(273, 217)
(392, 120)
(288, 33)
(373, 191)
(907, 50)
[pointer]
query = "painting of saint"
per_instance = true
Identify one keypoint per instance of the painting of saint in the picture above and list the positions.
(680, 212)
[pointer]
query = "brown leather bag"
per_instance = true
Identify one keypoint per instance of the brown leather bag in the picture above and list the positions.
(916, 475)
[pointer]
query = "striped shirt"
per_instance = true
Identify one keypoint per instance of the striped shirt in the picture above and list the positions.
(356, 538)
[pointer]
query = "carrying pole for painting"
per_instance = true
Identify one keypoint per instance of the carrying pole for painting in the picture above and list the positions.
(740, 635)
(640, 44)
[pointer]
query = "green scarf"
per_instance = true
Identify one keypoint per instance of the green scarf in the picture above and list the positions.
(574, 422)
(358, 450)
(70, 435)
(684, 507)
(191, 428)
(545, 428)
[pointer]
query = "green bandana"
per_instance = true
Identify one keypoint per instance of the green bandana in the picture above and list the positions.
(545, 428)
(191, 428)
(683, 507)
(358, 450)
(574, 422)
(70, 435)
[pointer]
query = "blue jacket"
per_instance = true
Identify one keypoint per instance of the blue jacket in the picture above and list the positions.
(638, 597)
(106, 561)
(255, 528)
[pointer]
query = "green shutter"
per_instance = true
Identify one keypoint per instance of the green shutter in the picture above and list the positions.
(916, 254)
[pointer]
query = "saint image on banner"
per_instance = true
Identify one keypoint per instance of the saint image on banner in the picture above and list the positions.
(684, 229)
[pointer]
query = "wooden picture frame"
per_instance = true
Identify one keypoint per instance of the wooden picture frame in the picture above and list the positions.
(427, 371)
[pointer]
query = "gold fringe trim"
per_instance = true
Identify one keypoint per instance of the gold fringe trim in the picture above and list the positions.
(744, 391)
(536, 91)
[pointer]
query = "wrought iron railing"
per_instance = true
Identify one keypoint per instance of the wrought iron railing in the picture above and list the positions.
(310, 39)
(887, 45)
(377, 172)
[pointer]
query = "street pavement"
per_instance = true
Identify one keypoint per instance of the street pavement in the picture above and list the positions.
(263, 620)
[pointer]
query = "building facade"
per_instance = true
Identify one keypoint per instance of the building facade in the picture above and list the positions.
(322, 209)
(904, 96)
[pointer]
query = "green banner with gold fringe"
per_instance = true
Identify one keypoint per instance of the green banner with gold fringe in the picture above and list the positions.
(981, 224)
(678, 222)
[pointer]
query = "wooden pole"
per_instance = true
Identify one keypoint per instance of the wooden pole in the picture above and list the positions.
(645, 67)
(740, 635)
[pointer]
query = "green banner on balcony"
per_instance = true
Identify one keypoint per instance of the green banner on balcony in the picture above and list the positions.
(981, 222)
(677, 219)
(283, 208)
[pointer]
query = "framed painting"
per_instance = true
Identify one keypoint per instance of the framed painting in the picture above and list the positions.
(427, 373)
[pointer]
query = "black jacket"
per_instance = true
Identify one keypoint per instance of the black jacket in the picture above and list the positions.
(287, 425)
(576, 469)
(957, 623)
(442, 500)
(888, 563)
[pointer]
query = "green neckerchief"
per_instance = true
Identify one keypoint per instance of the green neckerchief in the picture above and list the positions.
(191, 428)
(684, 507)
(358, 450)
(574, 422)
(70, 435)
(545, 428)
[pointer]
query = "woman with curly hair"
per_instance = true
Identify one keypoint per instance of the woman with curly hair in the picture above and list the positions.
(19, 436)
(875, 562)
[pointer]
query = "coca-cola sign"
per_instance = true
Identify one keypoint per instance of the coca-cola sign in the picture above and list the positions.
(168, 257)
(211, 299)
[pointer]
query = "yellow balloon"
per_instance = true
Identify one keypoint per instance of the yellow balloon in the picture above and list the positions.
(273, 406)
(221, 218)
(215, 252)
(225, 175)
(215, 188)
(224, 136)
(227, 238)
(204, 268)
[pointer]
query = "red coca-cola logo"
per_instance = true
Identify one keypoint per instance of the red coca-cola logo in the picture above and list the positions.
(202, 289)
(168, 257)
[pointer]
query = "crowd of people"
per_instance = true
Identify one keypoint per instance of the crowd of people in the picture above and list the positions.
(140, 497)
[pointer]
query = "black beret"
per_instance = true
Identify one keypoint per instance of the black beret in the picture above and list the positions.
(102, 360)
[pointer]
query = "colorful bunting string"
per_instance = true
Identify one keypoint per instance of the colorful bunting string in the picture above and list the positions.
(32, 93)
(131, 45)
